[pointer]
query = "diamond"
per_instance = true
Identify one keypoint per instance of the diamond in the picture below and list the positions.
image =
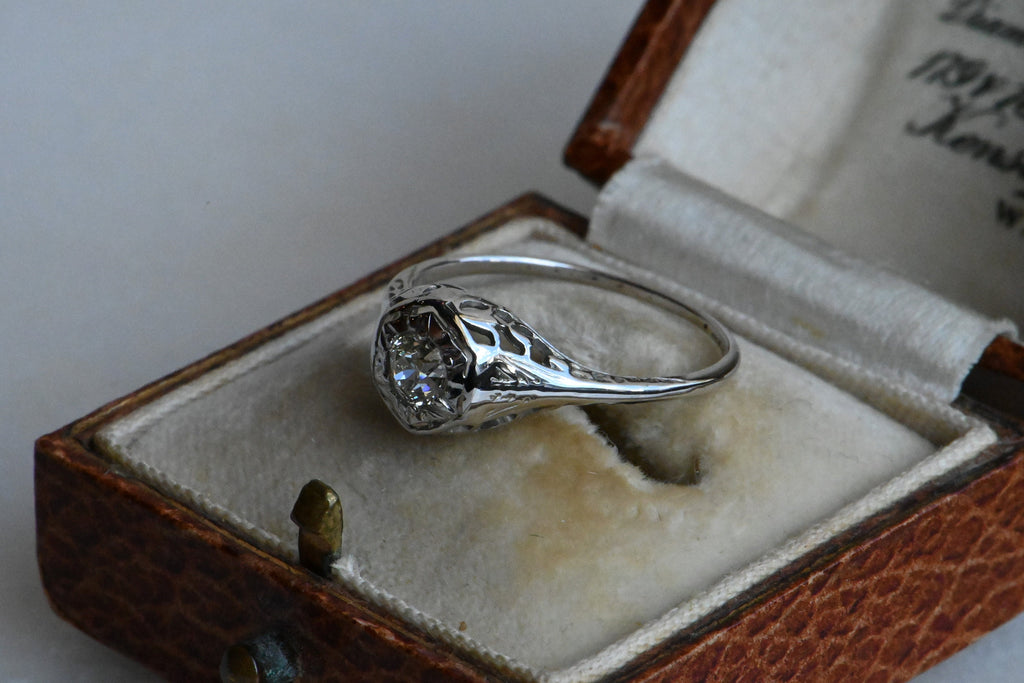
(417, 370)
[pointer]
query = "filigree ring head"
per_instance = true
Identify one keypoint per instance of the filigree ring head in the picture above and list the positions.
(445, 360)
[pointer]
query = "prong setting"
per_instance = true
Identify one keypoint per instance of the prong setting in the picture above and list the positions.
(446, 361)
(420, 367)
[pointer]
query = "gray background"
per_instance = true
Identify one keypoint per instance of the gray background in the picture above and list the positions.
(175, 176)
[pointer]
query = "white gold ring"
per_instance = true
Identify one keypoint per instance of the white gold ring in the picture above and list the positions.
(445, 360)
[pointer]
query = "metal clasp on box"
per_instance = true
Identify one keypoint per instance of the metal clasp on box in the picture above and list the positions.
(267, 658)
(317, 512)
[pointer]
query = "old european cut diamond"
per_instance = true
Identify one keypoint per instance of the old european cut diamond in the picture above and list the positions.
(417, 369)
(419, 366)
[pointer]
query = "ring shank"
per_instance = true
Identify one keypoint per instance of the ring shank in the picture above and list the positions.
(632, 389)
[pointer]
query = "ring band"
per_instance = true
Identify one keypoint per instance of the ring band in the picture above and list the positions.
(445, 360)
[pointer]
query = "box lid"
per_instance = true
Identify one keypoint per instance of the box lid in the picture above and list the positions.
(849, 147)
(634, 83)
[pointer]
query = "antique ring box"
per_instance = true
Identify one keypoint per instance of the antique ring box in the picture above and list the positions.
(849, 506)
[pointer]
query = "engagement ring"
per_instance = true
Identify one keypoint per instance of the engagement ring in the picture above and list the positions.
(445, 360)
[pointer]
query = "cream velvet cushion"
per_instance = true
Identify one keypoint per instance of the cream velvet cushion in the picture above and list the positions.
(539, 545)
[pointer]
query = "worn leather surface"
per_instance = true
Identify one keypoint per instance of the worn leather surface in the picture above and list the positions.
(613, 121)
(885, 610)
(160, 584)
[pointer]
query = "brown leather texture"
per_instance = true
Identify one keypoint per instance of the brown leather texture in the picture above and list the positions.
(157, 582)
(886, 609)
(603, 140)
(1005, 357)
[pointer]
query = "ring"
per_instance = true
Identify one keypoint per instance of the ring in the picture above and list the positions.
(446, 361)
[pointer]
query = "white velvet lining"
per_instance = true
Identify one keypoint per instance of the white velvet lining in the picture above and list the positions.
(557, 558)
(883, 127)
(788, 280)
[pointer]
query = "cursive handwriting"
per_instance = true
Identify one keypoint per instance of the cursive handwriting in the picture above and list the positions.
(977, 104)
(973, 93)
(976, 15)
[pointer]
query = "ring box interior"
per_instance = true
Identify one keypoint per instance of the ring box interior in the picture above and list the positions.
(844, 506)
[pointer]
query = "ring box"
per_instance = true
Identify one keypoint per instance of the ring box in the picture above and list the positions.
(192, 571)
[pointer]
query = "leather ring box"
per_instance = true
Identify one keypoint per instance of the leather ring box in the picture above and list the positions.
(904, 587)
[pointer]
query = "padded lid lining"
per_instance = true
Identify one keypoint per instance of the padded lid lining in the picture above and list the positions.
(883, 127)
